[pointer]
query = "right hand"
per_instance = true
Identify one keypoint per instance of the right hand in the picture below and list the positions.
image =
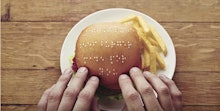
(137, 91)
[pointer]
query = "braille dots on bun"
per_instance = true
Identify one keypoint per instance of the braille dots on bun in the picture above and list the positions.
(108, 50)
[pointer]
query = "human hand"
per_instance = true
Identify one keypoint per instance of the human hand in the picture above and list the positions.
(141, 96)
(77, 96)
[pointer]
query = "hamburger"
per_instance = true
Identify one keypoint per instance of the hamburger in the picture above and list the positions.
(108, 50)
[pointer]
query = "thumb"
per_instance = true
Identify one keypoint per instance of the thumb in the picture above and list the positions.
(94, 106)
(125, 108)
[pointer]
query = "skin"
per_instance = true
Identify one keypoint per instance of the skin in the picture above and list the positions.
(169, 97)
(71, 93)
(77, 93)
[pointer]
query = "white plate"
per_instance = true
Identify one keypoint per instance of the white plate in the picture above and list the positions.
(109, 15)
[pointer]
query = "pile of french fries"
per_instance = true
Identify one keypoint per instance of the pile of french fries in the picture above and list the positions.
(152, 43)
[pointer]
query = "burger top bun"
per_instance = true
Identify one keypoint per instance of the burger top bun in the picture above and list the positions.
(108, 50)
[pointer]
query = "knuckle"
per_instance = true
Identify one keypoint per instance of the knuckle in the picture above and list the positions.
(171, 82)
(178, 95)
(85, 96)
(163, 90)
(63, 79)
(152, 78)
(92, 84)
(70, 93)
(124, 81)
(46, 92)
(53, 96)
(41, 105)
(146, 90)
(156, 107)
(132, 95)
(78, 77)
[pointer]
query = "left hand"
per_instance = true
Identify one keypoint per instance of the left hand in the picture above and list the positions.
(77, 96)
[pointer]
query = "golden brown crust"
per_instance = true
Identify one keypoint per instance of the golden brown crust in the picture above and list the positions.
(108, 50)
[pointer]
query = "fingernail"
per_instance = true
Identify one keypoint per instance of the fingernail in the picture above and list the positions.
(146, 73)
(94, 78)
(123, 76)
(68, 71)
(134, 69)
(82, 69)
(162, 76)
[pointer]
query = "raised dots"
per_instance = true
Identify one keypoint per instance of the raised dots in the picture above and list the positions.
(114, 74)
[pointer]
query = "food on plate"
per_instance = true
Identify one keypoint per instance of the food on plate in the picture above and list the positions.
(152, 43)
(110, 49)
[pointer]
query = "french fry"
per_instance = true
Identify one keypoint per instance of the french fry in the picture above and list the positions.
(147, 44)
(138, 29)
(142, 61)
(160, 61)
(143, 24)
(153, 63)
(130, 23)
(147, 58)
(129, 18)
(152, 42)
(158, 39)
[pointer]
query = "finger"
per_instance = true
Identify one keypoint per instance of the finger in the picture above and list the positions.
(131, 96)
(42, 104)
(56, 93)
(145, 89)
(125, 108)
(175, 92)
(85, 97)
(73, 89)
(95, 105)
(162, 91)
